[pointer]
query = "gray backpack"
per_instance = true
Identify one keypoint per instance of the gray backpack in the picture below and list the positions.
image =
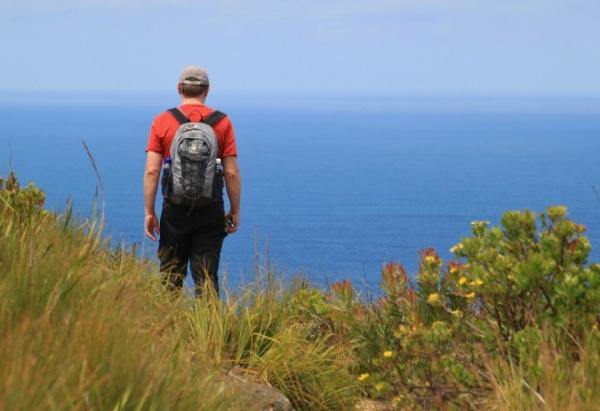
(193, 176)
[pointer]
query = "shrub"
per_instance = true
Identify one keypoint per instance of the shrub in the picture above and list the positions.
(430, 343)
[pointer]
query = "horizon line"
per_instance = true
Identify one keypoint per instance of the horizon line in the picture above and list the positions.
(326, 101)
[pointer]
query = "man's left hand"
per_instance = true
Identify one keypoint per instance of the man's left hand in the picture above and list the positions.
(232, 222)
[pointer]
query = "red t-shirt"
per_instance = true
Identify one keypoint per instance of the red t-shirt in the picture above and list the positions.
(165, 125)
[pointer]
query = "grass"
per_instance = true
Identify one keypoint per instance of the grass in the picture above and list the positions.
(258, 331)
(84, 326)
(568, 379)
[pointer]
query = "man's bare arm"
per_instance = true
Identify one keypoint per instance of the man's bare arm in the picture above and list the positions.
(151, 176)
(233, 184)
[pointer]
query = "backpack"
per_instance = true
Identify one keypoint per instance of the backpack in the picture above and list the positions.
(193, 175)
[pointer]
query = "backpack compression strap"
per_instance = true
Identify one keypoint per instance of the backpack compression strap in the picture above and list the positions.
(214, 117)
(179, 116)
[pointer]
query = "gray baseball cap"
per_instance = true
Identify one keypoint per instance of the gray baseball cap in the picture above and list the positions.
(194, 75)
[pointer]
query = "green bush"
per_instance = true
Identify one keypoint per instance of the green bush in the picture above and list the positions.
(512, 287)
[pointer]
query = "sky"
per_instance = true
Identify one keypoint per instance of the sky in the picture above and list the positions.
(404, 47)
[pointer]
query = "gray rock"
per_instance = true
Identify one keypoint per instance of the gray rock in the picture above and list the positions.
(371, 405)
(252, 395)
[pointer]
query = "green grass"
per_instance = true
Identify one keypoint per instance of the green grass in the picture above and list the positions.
(567, 378)
(84, 326)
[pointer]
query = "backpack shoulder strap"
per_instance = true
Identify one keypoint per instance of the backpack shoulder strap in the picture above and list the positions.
(179, 116)
(214, 117)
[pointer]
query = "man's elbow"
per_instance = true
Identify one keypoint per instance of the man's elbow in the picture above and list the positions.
(152, 173)
(232, 174)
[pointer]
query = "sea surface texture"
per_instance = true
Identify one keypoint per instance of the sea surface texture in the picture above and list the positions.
(332, 193)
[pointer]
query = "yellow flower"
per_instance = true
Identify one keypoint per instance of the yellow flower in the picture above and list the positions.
(388, 354)
(363, 377)
(462, 280)
(397, 398)
(457, 248)
(477, 282)
(471, 295)
(433, 298)
(556, 212)
(430, 259)
(570, 280)
(379, 386)
(457, 313)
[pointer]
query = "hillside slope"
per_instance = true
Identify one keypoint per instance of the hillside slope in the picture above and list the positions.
(511, 323)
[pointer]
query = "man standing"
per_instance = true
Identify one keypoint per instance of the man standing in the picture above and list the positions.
(191, 231)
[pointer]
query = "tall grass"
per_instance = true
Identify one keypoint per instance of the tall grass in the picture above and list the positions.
(562, 378)
(257, 331)
(84, 326)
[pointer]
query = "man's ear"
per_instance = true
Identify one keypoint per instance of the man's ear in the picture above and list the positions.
(207, 90)
(178, 88)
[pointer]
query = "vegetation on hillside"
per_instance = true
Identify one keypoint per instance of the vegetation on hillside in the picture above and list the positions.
(511, 323)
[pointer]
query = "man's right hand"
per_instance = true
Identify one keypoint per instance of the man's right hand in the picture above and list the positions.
(151, 175)
(151, 226)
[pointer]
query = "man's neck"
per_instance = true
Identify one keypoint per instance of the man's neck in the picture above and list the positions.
(192, 100)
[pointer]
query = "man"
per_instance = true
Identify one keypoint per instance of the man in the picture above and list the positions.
(191, 234)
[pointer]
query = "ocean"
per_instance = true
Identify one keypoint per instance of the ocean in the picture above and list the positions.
(333, 191)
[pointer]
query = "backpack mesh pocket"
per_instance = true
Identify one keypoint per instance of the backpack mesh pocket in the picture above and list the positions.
(194, 155)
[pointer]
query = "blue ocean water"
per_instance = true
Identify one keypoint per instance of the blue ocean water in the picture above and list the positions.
(331, 193)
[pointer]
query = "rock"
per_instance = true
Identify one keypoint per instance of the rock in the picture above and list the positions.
(252, 395)
(372, 405)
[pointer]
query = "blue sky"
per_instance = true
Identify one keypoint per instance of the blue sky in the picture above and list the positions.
(305, 46)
